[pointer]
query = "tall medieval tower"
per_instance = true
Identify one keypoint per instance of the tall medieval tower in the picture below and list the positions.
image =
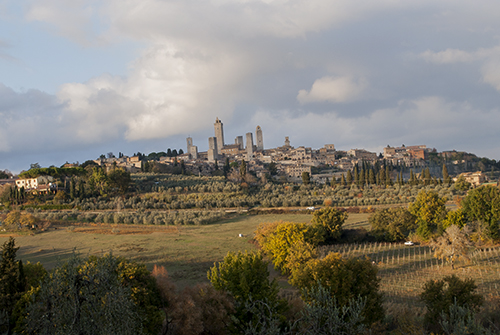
(219, 134)
(260, 139)
(249, 147)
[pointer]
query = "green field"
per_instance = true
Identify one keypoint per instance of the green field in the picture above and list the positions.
(187, 252)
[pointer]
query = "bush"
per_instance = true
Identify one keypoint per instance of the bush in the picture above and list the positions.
(392, 224)
(276, 239)
(322, 314)
(85, 297)
(246, 278)
(328, 224)
(440, 295)
(346, 279)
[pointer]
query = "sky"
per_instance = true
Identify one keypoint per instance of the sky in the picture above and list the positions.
(82, 78)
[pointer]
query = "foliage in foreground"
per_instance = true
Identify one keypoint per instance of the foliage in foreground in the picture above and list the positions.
(245, 277)
(98, 295)
(324, 316)
(440, 295)
(346, 279)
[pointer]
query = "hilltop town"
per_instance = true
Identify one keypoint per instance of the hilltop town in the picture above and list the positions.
(291, 162)
(287, 163)
(187, 210)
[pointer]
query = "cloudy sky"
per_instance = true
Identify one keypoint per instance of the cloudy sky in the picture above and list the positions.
(82, 78)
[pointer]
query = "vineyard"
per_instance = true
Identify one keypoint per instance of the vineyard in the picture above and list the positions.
(404, 269)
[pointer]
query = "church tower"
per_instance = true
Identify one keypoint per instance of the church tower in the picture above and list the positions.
(219, 134)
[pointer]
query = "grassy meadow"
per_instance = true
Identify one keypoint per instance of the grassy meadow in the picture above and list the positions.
(187, 252)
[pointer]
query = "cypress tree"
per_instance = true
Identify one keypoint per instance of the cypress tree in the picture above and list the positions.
(333, 183)
(388, 180)
(427, 176)
(446, 176)
(349, 177)
(362, 178)
(371, 177)
(382, 176)
(12, 280)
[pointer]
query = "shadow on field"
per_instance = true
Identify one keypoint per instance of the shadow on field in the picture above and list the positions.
(48, 257)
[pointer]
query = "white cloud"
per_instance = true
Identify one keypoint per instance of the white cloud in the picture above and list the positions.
(333, 89)
(227, 58)
(79, 20)
(83, 20)
(487, 58)
(168, 92)
(448, 56)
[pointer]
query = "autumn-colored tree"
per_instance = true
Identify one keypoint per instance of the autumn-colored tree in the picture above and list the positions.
(453, 245)
(462, 184)
(430, 210)
(13, 221)
(456, 217)
(193, 311)
(328, 223)
(298, 254)
(278, 242)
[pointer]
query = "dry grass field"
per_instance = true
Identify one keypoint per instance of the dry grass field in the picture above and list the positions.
(187, 252)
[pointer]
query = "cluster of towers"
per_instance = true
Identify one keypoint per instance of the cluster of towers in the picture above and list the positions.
(217, 146)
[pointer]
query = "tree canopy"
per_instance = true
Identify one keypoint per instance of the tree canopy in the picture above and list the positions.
(429, 210)
(392, 224)
(483, 204)
(99, 295)
(346, 279)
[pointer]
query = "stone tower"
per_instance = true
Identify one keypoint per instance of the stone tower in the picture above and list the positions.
(192, 149)
(287, 141)
(249, 146)
(212, 149)
(239, 141)
(260, 139)
(219, 134)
